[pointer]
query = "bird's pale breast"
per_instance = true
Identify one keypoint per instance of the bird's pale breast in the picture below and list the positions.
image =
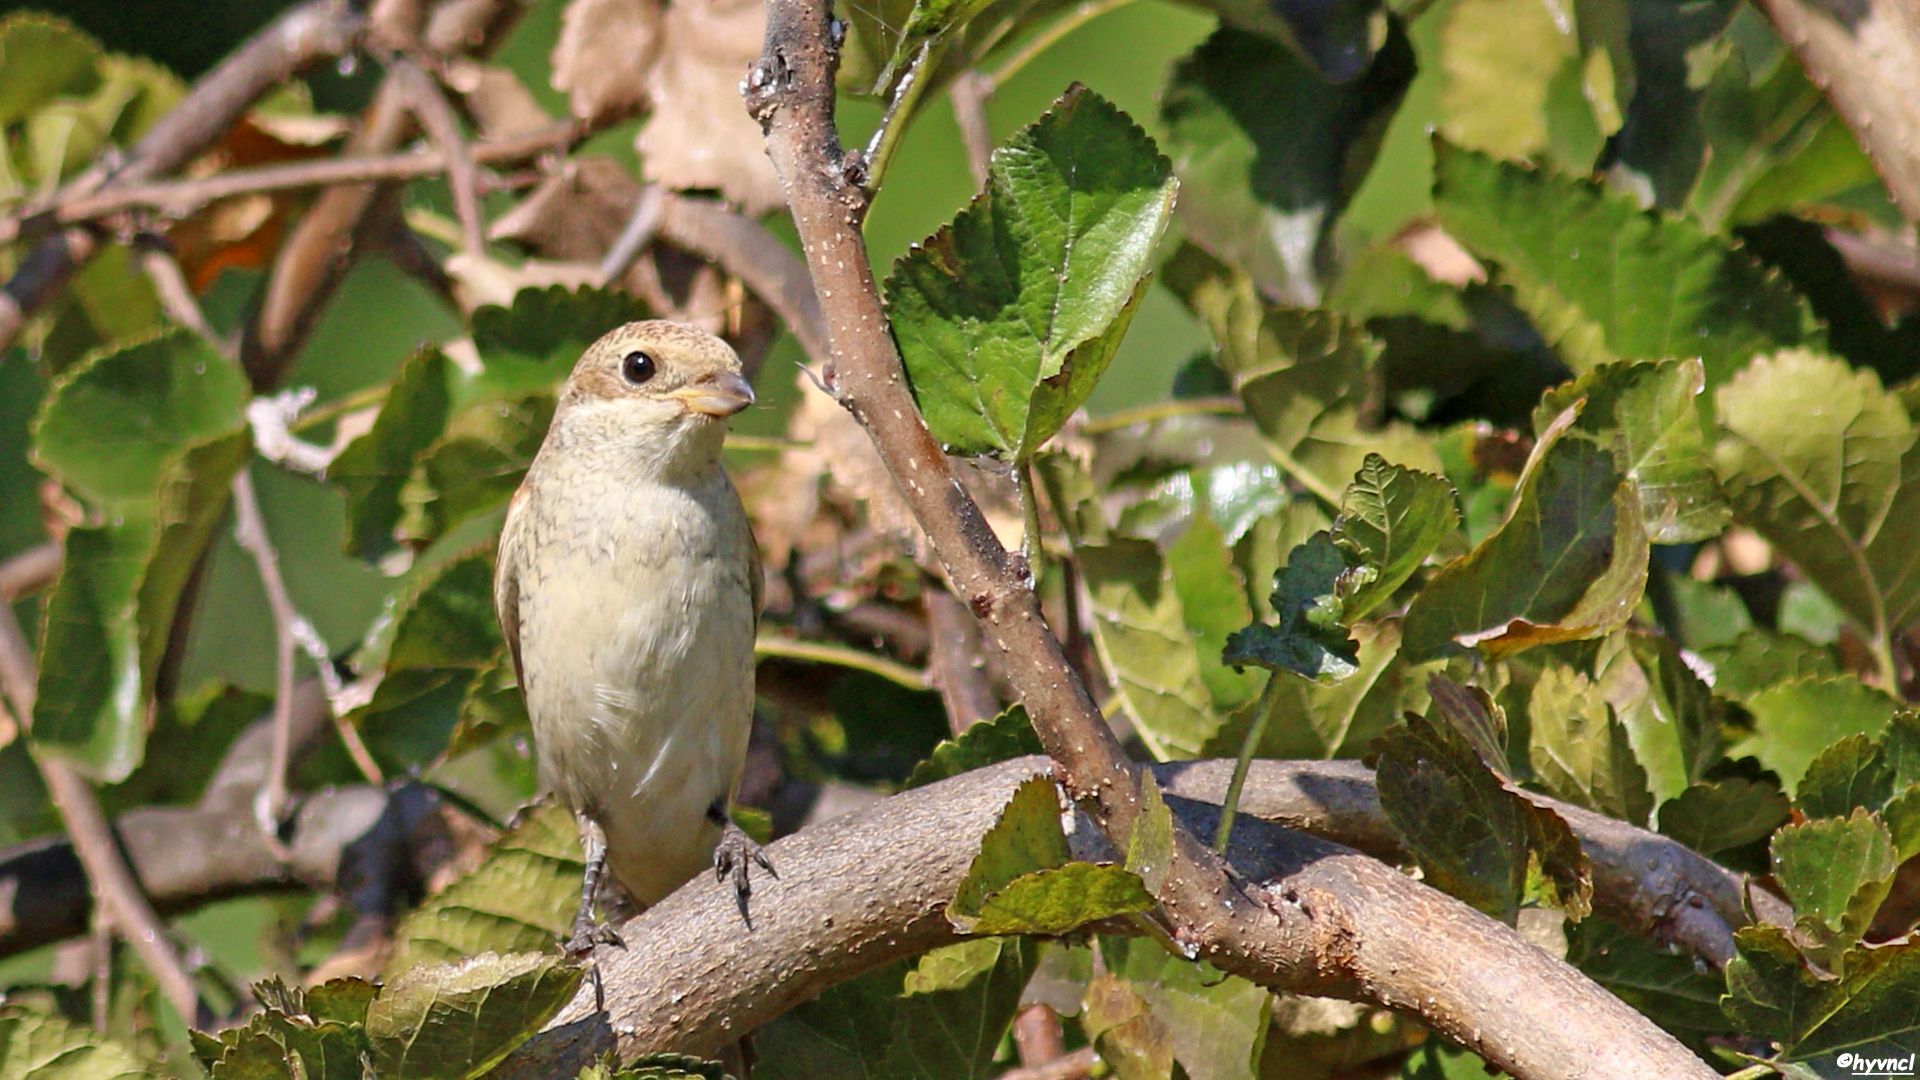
(636, 639)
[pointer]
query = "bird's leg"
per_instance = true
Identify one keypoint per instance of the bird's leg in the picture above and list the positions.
(588, 931)
(735, 850)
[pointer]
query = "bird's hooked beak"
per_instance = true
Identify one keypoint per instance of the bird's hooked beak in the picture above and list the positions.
(720, 394)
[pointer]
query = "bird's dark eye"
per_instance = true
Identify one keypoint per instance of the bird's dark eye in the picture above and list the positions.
(637, 367)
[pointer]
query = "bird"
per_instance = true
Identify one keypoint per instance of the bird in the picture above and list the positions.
(628, 588)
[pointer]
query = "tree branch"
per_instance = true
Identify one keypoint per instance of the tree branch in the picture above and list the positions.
(1866, 55)
(314, 31)
(1289, 937)
(111, 881)
(437, 118)
(744, 248)
(872, 886)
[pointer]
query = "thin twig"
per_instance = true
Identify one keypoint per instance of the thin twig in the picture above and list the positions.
(314, 31)
(637, 234)
(176, 296)
(113, 883)
(30, 571)
(1065, 1067)
(178, 198)
(442, 125)
(250, 529)
(970, 92)
(820, 652)
(744, 248)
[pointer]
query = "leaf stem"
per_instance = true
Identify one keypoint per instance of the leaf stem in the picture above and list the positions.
(1262, 710)
(1164, 410)
(1085, 13)
(893, 125)
(1304, 477)
(820, 652)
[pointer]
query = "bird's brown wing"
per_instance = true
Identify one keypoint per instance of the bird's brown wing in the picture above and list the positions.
(756, 579)
(506, 581)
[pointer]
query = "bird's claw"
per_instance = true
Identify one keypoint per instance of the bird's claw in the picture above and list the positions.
(589, 934)
(735, 850)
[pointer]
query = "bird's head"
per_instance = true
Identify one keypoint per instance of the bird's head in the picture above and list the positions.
(660, 391)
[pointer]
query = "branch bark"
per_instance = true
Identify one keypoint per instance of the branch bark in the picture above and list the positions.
(1300, 935)
(870, 887)
(1866, 55)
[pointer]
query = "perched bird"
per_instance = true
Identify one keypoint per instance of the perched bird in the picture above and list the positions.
(628, 585)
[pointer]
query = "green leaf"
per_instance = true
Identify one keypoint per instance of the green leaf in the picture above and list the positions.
(1605, 280)
(444, 683)
(1580, 751)
(1120, 1025)
(1025, 838)
(1055, 901)
(1794, 721)
(43, 58)
(1757, 659)
(448, 1021)
(1150, 845)
(1851, 773)
(1724, 814)
(1311, 638)
(373, 469)
(196, 730)
(1499, 57)
(1391, 519)
(1140, 632)
(89, 706)
(1865, 1006)
(1473, 835)
(1216, 1022)
(1307, 719)
(36, 1046)
(1825, 464)
(1213, 603)
(881, 1028)
(1645, 413)
(1569, 563)
(1835, 870)
(1269, 150)
(1006, 317)
(1672, 717)
(520, 900)
(659, 1067)
(550, 324)
(492, 708)
(112, 426)
(475, 466)
(449, 620)
(1009, 735)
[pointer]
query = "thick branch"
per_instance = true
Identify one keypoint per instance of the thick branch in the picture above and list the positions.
(870, 887)
(1866, 55)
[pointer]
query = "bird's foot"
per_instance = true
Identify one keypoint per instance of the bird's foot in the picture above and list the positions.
(589, 934)
(734, 852)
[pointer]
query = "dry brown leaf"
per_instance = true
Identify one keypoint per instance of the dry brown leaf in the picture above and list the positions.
(684, 60)
(500, 103)
(479, 281)
(575, 213)
(604, 52)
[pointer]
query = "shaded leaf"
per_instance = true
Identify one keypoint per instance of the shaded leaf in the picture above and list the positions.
(1269, 149)
(459, 1020)
(1009, 735)
(520, 900)
(1724, 814)
(1311, 638)
(878, 1027)
(1822, 462)
(1866, 1007)
(1668, 986)
(373, 469)
(1848, 774)
(1213, 603)
(1140, 631)
(1569, 563)
(36, 1046)
(1605, 280)
(1794, 721)
(1008, 316)
(1757, 659)
(1121, 1026)
(43, 58)
(1308, 719)
(1672, 717)
(1645, 413)
(1580, 751)
(1472, 835)
(1829, 867)
(1391, 519)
